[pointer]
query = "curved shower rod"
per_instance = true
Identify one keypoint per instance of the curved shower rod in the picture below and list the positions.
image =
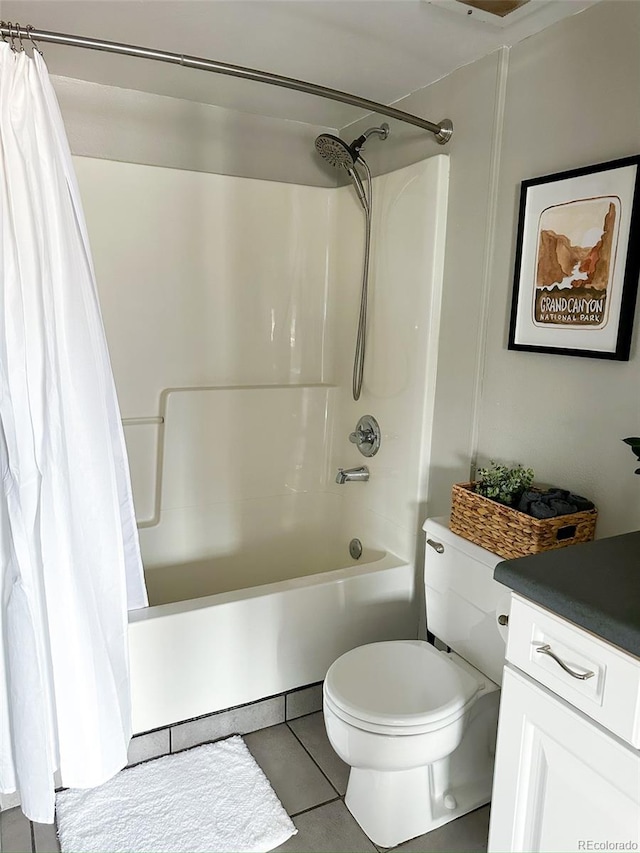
(442, 130)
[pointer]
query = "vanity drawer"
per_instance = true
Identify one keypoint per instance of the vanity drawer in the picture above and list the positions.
(592, 675)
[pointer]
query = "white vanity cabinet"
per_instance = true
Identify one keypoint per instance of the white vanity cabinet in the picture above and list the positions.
(567, 774)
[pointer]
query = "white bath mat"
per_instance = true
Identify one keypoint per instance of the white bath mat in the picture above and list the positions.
(211, 798)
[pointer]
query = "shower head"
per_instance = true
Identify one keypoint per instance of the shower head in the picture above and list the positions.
(338, 153)
(335, 151)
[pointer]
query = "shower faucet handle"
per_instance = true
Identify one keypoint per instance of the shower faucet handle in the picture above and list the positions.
(366, 435)
(361, 435)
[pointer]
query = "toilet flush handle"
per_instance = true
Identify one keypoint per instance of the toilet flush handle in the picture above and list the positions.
(438, 547)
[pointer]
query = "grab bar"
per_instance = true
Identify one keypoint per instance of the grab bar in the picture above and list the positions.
(142, 421)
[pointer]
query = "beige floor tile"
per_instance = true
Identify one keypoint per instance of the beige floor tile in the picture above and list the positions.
(15, 832)
(329, 828)
(311, 732)
(294, 776)
(45, 837)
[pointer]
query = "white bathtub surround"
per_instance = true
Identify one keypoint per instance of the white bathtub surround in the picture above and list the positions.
(236, 297)
(409, 218)
(213, 798)
(258, 286)
(70, 557)
(235, 468)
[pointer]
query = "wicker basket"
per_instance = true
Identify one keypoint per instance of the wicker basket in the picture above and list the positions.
(510, 533)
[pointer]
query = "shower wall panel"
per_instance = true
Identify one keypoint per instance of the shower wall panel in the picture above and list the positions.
(216, 283)
(204, 280)
(242, 472)
(405, 288)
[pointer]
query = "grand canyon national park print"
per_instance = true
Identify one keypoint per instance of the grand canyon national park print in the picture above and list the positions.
(578, 261)
(575, 242)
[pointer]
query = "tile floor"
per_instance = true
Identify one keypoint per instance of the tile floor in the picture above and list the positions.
(310, 781)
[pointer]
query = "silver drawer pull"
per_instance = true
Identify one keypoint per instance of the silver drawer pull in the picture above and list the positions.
(546, 650)
(437, 546)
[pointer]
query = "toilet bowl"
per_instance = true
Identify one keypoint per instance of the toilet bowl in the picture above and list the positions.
(416, 725)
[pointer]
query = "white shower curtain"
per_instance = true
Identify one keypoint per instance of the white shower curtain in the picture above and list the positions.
(70, 563)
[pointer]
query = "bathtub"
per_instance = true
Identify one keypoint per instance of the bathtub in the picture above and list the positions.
(225, 632)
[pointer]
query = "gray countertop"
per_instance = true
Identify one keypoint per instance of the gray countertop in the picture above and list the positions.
(595, 585)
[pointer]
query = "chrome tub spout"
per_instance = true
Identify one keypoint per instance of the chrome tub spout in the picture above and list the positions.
(348, 475)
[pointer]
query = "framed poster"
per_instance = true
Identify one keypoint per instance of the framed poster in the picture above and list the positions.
(578, 261)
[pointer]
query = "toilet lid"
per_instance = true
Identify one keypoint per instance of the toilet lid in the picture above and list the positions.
(399, 683)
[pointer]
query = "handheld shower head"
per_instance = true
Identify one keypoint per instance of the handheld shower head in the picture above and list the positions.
(336, 151)
(339, 154)
(356, 180)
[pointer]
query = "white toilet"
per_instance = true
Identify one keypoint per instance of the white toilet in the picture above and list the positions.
(416, 725)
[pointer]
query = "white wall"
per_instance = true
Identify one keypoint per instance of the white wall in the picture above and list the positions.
(138, 127)
(572, 99)
(564, 98)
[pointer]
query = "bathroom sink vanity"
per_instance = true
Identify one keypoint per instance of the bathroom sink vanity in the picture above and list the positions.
(567, 773)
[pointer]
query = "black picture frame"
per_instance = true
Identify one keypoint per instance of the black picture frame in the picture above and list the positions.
(574, 293)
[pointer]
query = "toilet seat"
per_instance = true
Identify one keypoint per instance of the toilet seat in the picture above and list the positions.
(398, 687)
(394, 729)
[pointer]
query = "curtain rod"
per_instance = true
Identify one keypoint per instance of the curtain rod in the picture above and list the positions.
(442, 131)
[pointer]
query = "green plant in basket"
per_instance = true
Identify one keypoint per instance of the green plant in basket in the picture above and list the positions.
(503, 484)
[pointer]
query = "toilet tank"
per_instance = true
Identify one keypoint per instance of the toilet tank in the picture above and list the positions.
(463, 600)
